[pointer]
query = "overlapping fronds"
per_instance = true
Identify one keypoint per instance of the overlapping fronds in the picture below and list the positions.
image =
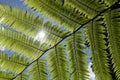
(14, 63)
(58, 63)
(20, 43)
(88, 7)
(64, 14)
(112, 21)
(94, 31)
(28, 24)
(63, 45)
(77, 57)
(38, 70)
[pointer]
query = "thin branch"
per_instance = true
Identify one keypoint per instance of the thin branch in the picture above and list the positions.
(117, 3)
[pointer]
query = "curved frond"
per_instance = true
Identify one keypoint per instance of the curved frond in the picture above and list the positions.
(112, 21)
(96, 37)
(77, 57)
(58, 64)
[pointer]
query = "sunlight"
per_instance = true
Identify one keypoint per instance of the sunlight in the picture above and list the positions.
(40, 36)
(1, 20)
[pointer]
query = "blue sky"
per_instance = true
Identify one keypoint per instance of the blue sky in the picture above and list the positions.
(20, 4)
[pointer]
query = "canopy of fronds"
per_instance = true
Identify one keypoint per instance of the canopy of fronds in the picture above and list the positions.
(48, 50)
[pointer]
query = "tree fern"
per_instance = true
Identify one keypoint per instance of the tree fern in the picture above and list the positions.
(63, 45)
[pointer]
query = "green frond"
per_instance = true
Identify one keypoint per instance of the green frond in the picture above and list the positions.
(29, 24)
(64, 14)
(14, 64)
(22, 76)
(38, 70)
(58, 63)
(77, 57)
(5, 75)
(20, 43)
(112, 21)
(110, 2)
(95, 30)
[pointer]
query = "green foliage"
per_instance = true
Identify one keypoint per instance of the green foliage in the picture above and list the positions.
(112, 21)
(38, 70)
(77, 57)
(58, 63)
(60, 55)
(94, 31)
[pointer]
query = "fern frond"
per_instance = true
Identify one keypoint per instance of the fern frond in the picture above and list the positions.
(77, 57)
(14, 64)
(5, 75)
(110, 2)
(96, 40)
(58, 64)
(66, 15)
(26, 22)
(38, 70)
(22, 76)
(112, 21)
(20, 43)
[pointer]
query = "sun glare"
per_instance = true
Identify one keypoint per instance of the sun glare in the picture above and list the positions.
(40, 36)
(1, 20)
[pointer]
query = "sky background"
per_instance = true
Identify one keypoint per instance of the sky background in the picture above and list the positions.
(19, 4)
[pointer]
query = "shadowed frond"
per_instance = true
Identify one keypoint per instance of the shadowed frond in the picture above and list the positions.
(77, 57)
(112, 21)
(94, 31)
(110, 2)
(64, 14)
(88, 7)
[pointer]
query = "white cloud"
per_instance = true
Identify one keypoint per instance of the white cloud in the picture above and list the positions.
(91, 73)
(2, 48)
